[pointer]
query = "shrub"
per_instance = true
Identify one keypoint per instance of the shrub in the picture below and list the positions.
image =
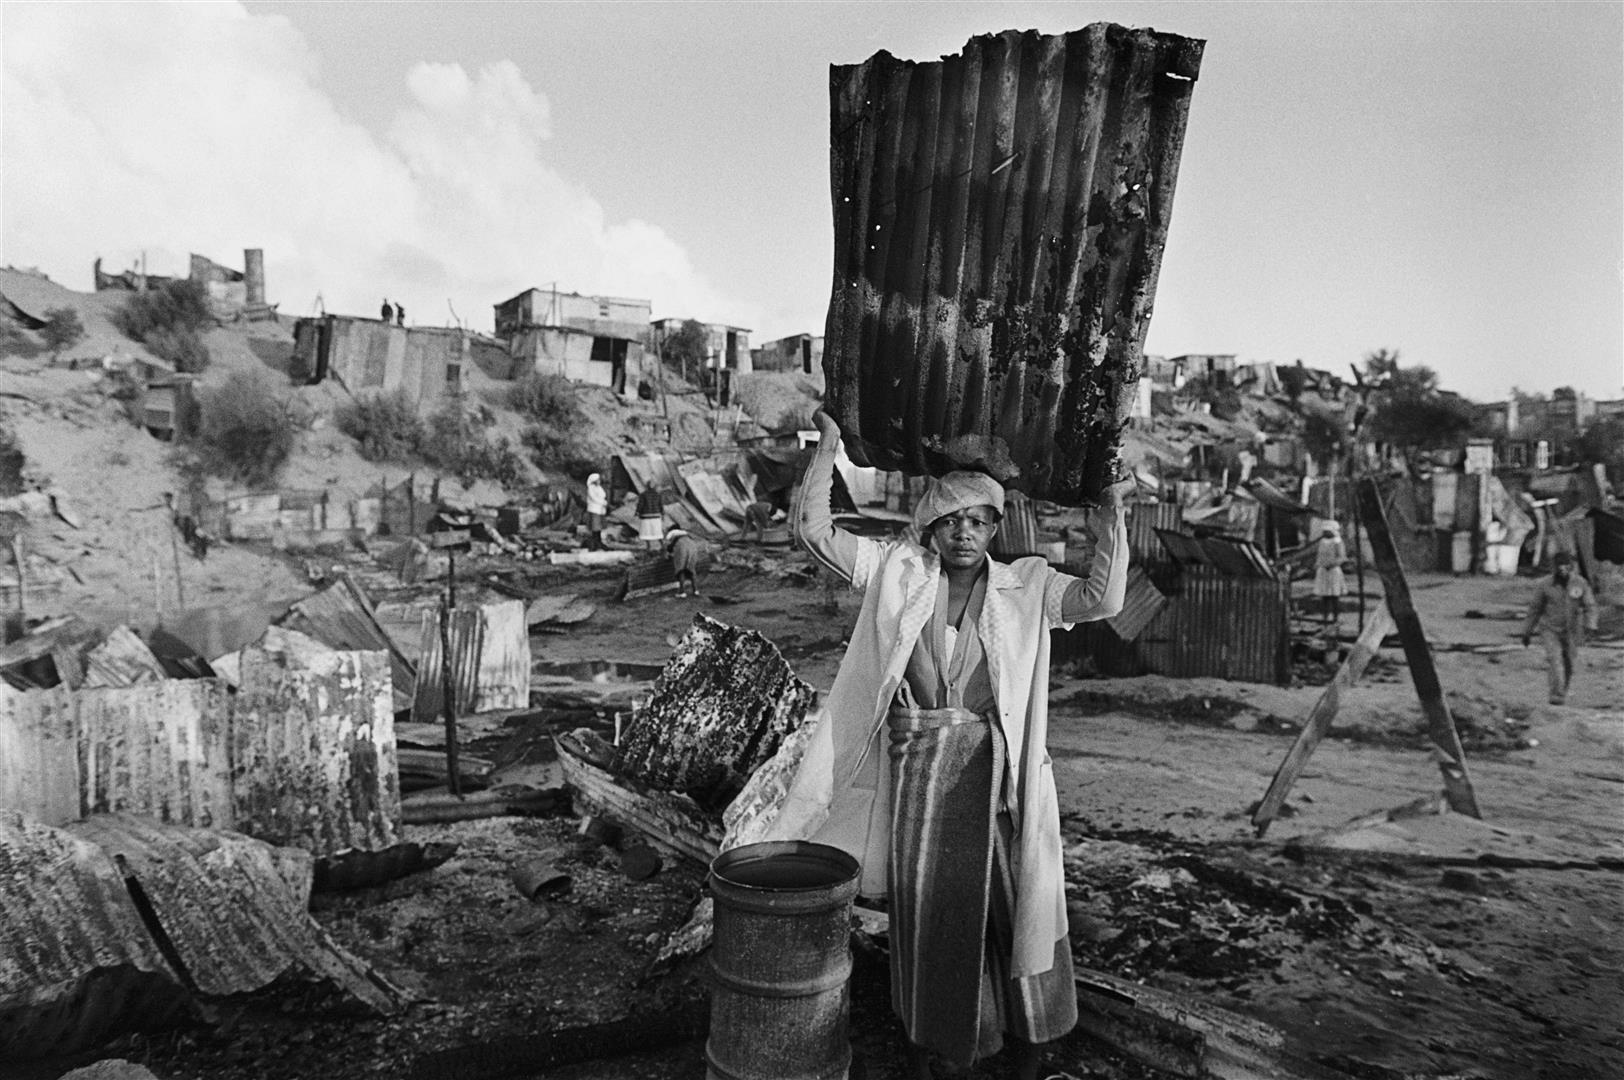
(174, 305)
(556, 451)
(11, 464)
(547, 399)
(386, 426)
(62, 328)
(453, 442)
(245, 432)
(180, 347)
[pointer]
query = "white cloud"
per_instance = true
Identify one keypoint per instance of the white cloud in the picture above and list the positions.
(200, 127)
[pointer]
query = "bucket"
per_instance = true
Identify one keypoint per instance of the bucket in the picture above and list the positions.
(780, 962)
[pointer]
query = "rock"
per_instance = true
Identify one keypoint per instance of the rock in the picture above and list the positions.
(1461, 880)
(111, 1069)
(1244, 721)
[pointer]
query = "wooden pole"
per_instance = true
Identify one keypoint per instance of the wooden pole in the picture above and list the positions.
(1319, 719)
(174, 549)
(22, 581)
(1418, 654)
(448, 707)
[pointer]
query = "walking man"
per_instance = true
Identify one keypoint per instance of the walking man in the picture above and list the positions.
(929, 763)
(1563, 609)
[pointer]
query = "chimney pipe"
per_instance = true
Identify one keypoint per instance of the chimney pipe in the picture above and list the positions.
(253, 274)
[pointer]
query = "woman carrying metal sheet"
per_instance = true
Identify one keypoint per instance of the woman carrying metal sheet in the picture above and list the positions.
(929, 762)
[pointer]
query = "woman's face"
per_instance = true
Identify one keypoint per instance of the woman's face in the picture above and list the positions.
(961, 539)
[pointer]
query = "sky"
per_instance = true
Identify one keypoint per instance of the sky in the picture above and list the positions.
(1443, 179)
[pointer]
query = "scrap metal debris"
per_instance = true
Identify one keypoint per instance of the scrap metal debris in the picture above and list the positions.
(118, 923)
(724, 702)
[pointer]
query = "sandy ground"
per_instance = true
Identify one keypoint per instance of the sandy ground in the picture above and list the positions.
(1432, 946)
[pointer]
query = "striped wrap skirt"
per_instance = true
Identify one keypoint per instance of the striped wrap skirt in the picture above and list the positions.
(952, 889)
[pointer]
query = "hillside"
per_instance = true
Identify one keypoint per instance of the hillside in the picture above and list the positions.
(118, 559)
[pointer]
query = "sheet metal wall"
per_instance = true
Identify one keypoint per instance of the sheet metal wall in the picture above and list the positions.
(298, 757)
(999, 223)
(1213, 625)
(490, 661)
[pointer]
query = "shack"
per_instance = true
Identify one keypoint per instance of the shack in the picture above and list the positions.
(428, 363)
(591, 339)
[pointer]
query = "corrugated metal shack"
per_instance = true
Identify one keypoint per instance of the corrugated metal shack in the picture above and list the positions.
(1209, 606)
(427, 363)
(999, 223)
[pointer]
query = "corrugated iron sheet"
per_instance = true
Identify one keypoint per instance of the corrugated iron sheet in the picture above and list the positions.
(1238, 558)
(720, 708)
(1213, 624)
(999, 223)
(1229, 627)
(342, 616)
(313, 751)
(299, 756)
(1144, 520)
(233, 909)
(1141, 604)
(465, 633)
(122, 659)
(503, 680)
(1018, 533)
(76, 962)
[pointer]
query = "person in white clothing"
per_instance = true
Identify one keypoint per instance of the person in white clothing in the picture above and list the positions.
(929, 764)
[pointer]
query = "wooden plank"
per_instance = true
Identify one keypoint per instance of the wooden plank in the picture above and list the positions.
(1440, 724)
(1319, 719)
(1185, 1037)
(671, 823)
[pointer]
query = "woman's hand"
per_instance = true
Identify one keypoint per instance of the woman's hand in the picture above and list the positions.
(828, 430)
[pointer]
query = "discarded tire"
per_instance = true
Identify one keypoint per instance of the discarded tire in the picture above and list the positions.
(780, 962)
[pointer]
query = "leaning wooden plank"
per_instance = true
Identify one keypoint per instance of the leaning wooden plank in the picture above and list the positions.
(1377, 626)
(1185, 1037)
(671, 823)
(999, 221)
(1446, 745)
(509, 800)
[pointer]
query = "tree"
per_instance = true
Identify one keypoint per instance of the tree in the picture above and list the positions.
(62, 328)
(1409, 412)
(1603, 441)
(687, 348)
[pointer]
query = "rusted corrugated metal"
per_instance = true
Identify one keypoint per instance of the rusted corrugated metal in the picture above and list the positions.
(233, 909)
(1223, 626)
(301, 755)
(490, 660)
(122, 659)
(504, 658)
(1144, 519)
(76, 962)
(313, 752)
(1213, 624)
(342, 616)
(1018, 532)
(465, 635)
(999, 223)
(1141, 603)
(720, 708)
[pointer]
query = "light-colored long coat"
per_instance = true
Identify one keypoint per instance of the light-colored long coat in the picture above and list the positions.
(842, 792)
